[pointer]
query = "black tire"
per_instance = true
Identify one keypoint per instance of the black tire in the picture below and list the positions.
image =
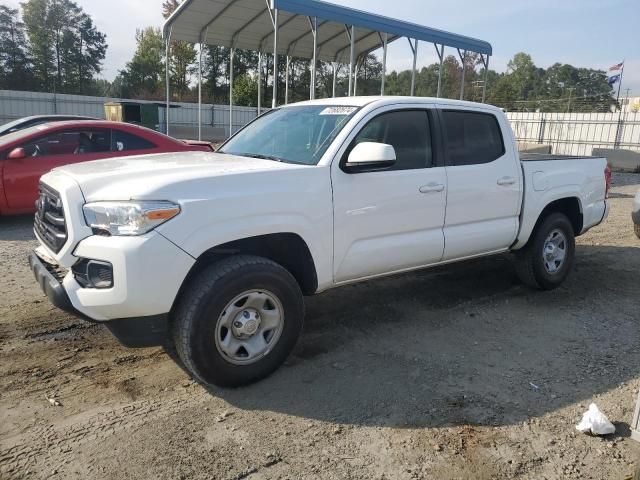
(204, 300)
(636, 228)
(530, 264)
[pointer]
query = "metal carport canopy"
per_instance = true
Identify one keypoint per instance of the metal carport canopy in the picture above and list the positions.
(247, 24)
(307, 29)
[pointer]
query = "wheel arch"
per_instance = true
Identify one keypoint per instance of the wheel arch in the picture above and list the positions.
(571, 206)
(286, 249)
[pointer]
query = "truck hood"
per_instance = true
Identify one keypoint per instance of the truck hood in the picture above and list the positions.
(162, 176)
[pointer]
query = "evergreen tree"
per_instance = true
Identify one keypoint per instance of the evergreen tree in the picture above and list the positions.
(15, 65)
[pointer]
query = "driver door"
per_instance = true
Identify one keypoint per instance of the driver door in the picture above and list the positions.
(390, 220)
(21, 176)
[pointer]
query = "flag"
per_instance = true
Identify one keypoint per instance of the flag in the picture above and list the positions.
(613, 79)
(615, 72)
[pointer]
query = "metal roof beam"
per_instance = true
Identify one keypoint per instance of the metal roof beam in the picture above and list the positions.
(355, 42)
(292, 44)
(266, 37)
(237, 33)
(219, 14)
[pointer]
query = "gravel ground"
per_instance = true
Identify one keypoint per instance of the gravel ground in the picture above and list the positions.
(456, 372)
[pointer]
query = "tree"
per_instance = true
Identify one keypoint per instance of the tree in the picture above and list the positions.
(216, 60)
(143, 75)
(245, 90)
(66, 49)
(15, 65)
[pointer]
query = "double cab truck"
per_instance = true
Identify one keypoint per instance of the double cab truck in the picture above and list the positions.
(213, 253)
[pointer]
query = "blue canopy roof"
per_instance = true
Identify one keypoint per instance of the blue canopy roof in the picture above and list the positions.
(379, 23)
(246, 24)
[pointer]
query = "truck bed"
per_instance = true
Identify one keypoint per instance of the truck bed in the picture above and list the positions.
(541, 157)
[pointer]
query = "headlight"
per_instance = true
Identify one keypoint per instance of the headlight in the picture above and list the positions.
(128, 218)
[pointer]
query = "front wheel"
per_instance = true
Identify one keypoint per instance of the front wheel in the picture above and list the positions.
(238, 320)
(546, 261)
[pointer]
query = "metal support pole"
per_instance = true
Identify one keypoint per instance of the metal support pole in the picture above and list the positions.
(274, 102)
(352, 58)
(167, 79)
(384, 62)
(355, 77)
(441, 57)
(335, 73)
(232, 54)
(463, 56)
(200, 92)
(259, 83)
(486, 76)
(286, 80)
(313, 22)
(414, 49)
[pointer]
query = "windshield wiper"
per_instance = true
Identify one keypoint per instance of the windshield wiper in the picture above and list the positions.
(260, 156)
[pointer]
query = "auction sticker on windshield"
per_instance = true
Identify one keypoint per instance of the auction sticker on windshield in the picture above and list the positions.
(338, 110)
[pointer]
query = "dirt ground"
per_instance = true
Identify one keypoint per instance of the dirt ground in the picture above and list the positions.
(457, 372)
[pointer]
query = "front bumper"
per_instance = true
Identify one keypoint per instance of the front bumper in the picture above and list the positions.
(148, 272)
(131, 332)
(50, 285)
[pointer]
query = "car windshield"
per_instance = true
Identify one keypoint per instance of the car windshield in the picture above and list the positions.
(297, 134)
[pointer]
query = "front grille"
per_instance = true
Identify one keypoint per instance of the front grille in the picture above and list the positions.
(49, 220)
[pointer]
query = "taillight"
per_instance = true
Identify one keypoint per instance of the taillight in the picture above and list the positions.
(607, 180)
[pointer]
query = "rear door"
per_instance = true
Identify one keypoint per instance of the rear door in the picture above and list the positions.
(21, 176)
(484, 191)
(390, 220)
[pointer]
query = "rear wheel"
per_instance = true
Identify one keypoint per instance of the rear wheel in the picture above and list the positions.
(545, 262)
(238, 321)
(637, 230)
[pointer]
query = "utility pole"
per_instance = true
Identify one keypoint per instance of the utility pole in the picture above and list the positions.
(571, 89)
(627, 90)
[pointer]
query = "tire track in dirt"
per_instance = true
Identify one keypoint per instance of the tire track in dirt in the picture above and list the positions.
(54, 444)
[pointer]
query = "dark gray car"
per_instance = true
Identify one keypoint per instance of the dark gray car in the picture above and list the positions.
(27, 122)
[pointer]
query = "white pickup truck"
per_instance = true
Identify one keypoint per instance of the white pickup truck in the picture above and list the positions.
(215, 251)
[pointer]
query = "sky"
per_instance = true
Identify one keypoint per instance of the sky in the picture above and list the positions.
(584, 33)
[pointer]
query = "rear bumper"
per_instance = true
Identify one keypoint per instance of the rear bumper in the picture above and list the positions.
(131, 332)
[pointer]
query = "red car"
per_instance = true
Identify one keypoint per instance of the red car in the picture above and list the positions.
(28, 154)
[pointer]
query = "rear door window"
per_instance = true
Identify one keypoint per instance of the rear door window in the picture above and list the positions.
(125, 141)
(472, 138)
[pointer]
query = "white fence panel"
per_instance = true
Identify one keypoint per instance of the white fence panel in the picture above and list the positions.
(567, 133)
(577, 133)
(17, 104)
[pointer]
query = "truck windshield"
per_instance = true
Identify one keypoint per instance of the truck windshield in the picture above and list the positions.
(298, 134)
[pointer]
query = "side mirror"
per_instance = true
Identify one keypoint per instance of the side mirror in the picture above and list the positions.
(370, 156)
(17, 154)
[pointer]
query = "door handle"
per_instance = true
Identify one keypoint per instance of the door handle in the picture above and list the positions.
(432, 187)
(506, 181)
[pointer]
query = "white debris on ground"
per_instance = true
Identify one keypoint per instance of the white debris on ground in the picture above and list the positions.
(595, 422)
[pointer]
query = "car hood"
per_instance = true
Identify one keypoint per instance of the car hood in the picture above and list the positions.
(163, 176)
